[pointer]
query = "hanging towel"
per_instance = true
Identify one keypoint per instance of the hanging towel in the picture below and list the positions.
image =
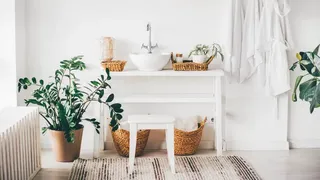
(274, 41)
(245, 30)
(232, 64)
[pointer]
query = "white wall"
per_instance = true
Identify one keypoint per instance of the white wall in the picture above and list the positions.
(21, 59)
(7, 54)
(304, 127)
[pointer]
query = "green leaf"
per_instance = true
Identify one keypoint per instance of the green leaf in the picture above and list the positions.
(25, 87)
(316, 50)
(26, 81)
(21, 80)
(305, 62)
(118, 116)
(304, 87)
(110, 98)
(95, 83)
(309, 94)
(294, 94)
(221, 55)
(33, 101)
(294, 65)
(97, 130)
(72, 124)
(191, 52)
(102, 77)
(111, 113)
(49, 86)
(90, 120)
(113, 121)
(19, 87)
(312, 105)
(116, 127)
(64, 122)
(34, 80)
(116, 106)
(108, 74)
(315, 103)
(101, 93)
(41, 82)
(118, 110)
(44, 130)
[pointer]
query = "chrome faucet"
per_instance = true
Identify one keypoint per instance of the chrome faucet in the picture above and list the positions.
(149, 47)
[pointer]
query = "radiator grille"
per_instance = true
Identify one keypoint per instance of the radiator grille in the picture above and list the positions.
(19, 143)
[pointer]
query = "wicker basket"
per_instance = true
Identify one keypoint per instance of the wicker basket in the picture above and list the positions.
(187, 143)
(121, 141)
(190, 66)
(114, 65)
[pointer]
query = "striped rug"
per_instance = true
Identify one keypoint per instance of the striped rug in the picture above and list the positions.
(187, 168)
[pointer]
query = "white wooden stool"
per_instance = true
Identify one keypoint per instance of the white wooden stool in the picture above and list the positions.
(151, 122)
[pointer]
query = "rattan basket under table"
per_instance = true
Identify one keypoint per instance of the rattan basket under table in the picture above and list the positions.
(121, 141)
(190, 66)
(187, 143)
(114, 65)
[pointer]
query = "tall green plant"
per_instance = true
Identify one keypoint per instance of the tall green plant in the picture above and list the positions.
(63, 102)
(309, 90)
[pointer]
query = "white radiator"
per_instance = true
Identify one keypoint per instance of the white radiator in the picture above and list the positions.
(19, 143)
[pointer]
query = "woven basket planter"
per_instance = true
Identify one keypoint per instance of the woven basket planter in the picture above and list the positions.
(190, 66)
(114, 65)
(187, 143)
(121, 141)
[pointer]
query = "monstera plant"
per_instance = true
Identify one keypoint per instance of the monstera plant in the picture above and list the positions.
(308, 83)
(63, 103)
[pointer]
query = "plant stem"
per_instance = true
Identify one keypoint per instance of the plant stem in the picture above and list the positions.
(45, 119)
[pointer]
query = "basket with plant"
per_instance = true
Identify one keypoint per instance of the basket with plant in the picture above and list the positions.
(202, 56)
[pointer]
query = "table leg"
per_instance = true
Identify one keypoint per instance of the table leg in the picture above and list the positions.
(132, 147)
(170, 146)
(218, 122)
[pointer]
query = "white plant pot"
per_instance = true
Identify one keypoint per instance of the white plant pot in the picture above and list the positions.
(199, 58)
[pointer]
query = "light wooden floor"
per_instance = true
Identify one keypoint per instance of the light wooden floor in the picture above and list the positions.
(270, 165)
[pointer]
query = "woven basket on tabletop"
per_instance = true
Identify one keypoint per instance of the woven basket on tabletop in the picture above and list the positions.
(187, 143)
(121, 141)
(114, 65)
(190, 66)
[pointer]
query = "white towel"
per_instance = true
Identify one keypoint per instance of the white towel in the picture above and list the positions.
(187, 124)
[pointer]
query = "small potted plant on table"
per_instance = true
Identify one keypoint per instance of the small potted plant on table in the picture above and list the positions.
(200, 52)
(63, 103)
(309, 90)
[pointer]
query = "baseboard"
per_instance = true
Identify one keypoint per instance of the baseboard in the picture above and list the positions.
(231, 145)
(304, 143)
(162, 145)
(257, 145)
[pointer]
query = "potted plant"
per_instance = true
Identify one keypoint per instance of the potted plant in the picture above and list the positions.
(309, 90)
(200, 52)
(63, 103)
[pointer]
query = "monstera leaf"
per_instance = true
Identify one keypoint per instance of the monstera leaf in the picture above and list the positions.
(307, 63)
(309, 90)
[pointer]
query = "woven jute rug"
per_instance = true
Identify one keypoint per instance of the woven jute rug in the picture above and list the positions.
(187, 168)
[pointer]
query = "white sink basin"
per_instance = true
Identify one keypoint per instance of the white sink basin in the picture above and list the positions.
(150, 62)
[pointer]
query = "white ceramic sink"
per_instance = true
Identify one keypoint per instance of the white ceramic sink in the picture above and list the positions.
(150, 62)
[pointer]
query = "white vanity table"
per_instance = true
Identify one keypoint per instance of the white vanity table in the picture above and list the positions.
(212, 99)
